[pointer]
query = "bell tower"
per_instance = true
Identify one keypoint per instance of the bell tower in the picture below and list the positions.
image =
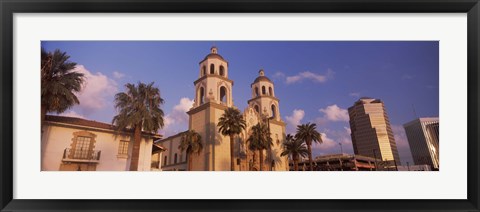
(263, 97)
(266, 105)
(213, 84)
(213, 94)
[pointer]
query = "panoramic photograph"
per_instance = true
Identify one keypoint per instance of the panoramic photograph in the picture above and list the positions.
(240, 106)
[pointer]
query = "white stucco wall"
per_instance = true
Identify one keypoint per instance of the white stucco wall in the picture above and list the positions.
(171, 148)
(222, 146)
(56, 138)
(278, 137)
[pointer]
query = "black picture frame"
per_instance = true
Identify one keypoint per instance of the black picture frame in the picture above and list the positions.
(9, 7)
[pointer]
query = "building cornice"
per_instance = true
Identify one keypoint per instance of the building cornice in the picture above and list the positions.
(61, 124)
(262, 96)
(205, 106)
(212, 75)
(213, 56)
(170, 137)
(281, 123)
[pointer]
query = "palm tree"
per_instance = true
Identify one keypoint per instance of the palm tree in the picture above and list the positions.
(253, 146)
(191, 142)
(138, 109)
(58, 82)
(308, 133)
(295, 148)
(231, 123)
(260, 140)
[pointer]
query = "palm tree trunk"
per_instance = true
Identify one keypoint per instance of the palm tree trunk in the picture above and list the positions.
(261, 160)
(43, 113)
(136, 148)
(309, 145)
(232, 158)
(253, 160)
(189, 162)
(295, 162)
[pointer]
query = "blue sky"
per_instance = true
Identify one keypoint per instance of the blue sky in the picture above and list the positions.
(315, 81)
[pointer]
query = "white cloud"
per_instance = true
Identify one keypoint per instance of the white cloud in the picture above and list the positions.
(321, 121)
(294, 120)
(176, 121)
(293, 79)
(72, 113)
(98, 91)
(279, 75)
(354, 94)
(335, 113)
(184, 105)
(118, 75)
(349, 131)
(331, 143)
(311, 76)
(327, 144)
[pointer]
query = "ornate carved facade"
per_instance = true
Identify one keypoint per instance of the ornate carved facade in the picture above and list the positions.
(213, 94)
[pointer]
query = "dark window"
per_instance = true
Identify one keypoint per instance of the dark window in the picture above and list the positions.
(212, 69)
(175, 158)
(223, 94)
(263, 90)
(222, 71)
(274, 111)
(204, 70)
(257, 109)
(123, 148)
(165, 161)
(256, 91)
(82, 147)
(202, 95)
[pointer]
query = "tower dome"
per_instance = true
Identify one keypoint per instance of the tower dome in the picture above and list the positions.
(262, 77)
(213, 55)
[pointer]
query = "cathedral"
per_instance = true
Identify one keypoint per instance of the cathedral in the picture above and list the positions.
(213, 94)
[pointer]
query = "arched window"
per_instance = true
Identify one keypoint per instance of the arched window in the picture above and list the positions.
(175, 158)
(270, 91)
(165, 161)
(257, 109)
(202, 95)
(274, 110)
(222, 71)
(263, 90)
(256, 91)
(212, 69)
(223, 94)
(204, 70)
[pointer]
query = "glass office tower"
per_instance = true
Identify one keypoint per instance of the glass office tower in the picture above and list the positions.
(423, 138)
(371, 131)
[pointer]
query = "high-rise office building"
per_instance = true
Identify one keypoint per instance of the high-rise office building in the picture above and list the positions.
(371, 132)
(422, 135)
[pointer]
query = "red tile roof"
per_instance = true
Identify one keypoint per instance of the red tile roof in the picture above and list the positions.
(87, 123)
(79, 121)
